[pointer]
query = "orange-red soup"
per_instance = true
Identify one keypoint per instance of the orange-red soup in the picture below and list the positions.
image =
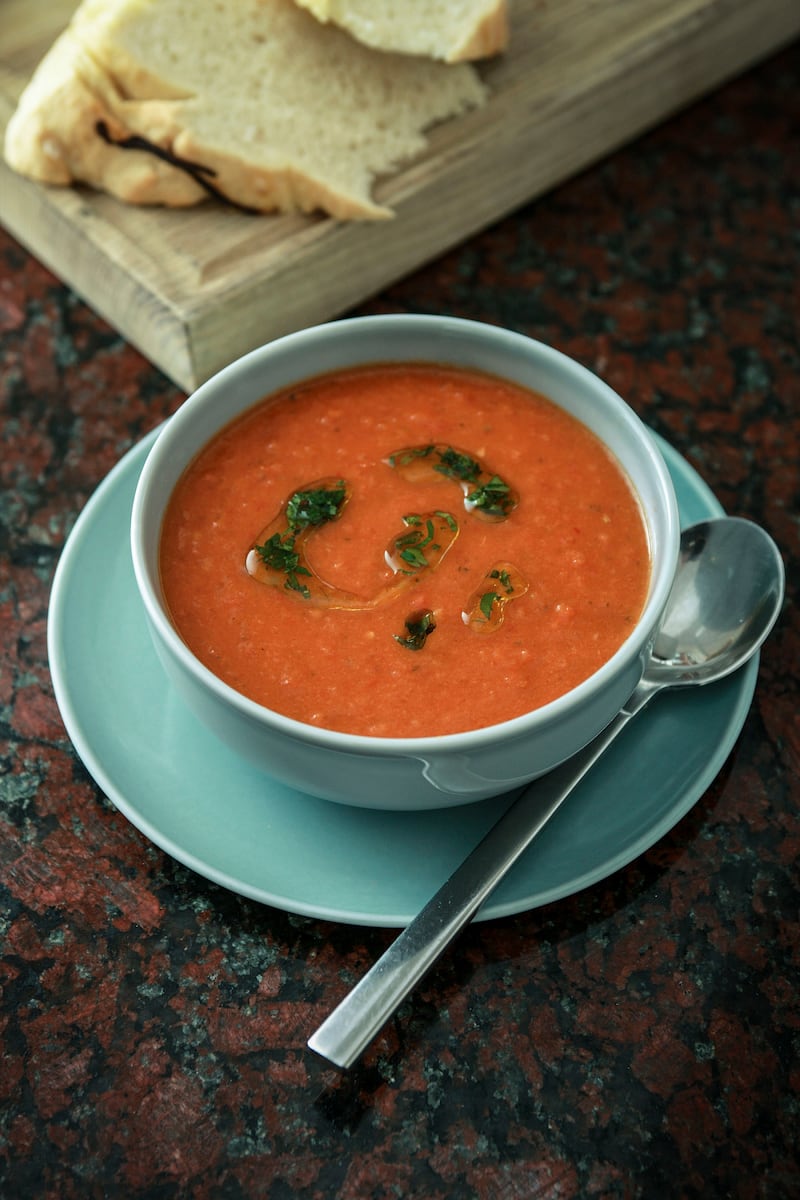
(574, 551)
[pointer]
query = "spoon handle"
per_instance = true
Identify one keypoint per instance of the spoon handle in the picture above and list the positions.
(352, 1025)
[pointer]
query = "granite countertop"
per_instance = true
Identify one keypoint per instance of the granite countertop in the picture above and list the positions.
(638, 1038)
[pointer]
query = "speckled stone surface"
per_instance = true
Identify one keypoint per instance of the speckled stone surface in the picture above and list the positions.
(638, 1039)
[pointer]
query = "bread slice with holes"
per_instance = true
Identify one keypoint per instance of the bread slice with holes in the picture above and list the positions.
(451, 30)
(168, 101)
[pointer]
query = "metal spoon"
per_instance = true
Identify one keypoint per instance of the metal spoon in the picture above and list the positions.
(726, 597)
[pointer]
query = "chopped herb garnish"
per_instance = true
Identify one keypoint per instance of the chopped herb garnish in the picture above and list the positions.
(486, 602)
(419, 625)
(488, 599)
(492, 497)
(423, 544)
(316, 506)
(448, 519)
(485, 493)
(485, 611)
(504, 577)
(279, 554)
(417, 537)
(457, 465)
(414, 556)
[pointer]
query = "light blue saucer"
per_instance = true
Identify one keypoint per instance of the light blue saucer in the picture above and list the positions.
(189, 795)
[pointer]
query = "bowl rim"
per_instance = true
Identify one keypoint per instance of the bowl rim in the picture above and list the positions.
(169, 437)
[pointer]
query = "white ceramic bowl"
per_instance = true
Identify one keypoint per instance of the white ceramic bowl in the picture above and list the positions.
(398, 773)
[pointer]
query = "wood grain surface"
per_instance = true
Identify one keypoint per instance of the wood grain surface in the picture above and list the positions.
(194, 289)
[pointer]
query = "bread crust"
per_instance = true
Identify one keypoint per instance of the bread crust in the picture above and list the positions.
(486, 35)
(54, 134)
(94, 113)
(488, 38)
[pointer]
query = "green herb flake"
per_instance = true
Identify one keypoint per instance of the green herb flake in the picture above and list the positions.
(456, 465)
(316, 506)
(486, 602)
(493, 496)
(504, 579)
(419, 625)
(485, 494)
(423, 544)
(279, 554)
(414, 557)
(485, 609)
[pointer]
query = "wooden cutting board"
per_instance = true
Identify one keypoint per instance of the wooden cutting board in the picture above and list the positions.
(195, 289)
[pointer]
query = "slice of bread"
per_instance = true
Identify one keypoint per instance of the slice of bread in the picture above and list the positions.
(166, 101)
(452, 30)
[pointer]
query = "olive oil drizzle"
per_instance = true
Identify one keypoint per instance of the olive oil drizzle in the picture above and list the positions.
(278, 555)
(423, 544)
(485, 611)
(486, 494)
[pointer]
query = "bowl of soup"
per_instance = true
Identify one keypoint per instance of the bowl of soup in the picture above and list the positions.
(402, 561)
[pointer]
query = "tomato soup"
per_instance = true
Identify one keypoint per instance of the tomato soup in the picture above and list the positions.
(404, 551)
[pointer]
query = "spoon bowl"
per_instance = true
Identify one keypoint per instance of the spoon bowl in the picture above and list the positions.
(726, 596)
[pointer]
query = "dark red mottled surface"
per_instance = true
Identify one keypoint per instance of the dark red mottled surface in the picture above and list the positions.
(638, 1039)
